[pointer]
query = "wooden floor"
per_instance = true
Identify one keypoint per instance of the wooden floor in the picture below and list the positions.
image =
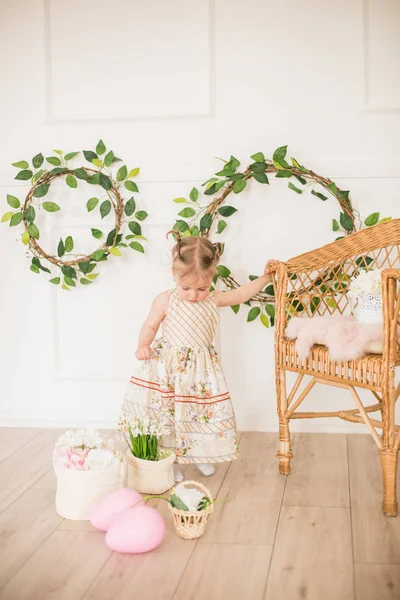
(317, 534)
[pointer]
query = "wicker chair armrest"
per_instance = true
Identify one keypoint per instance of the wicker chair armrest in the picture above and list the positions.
(390, 274)
(390, 308)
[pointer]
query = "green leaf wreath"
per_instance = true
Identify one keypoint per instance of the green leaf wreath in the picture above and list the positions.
(209, 213)
(73, 267)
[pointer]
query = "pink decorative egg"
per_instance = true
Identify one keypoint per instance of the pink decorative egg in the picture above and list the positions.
(137, 530)
(104, 513)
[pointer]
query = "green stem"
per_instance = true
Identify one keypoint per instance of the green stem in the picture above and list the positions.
(145, 498)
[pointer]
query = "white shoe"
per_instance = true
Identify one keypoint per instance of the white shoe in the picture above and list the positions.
(206, 468)
(178, 476)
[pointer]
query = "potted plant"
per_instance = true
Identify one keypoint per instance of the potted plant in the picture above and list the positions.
(87, 468)
(150, 466)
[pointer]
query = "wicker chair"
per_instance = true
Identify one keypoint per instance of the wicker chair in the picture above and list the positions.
(317, 283)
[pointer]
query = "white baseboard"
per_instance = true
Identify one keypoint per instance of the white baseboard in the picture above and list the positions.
(28, 418)
(31, 418)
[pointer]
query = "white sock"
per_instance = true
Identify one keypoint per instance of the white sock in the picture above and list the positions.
(177, 473)
(206, 468)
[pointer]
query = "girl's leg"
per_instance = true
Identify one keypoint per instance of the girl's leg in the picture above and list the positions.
(178, 475)
(206, 469)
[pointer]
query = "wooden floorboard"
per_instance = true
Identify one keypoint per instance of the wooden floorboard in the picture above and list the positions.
(377, 582)
(312, 555)
(319, 471)
(250, 497)
(376, 537)
(25, 466)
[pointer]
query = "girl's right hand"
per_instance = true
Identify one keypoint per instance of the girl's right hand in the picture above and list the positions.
(270, 265)
(143, 353)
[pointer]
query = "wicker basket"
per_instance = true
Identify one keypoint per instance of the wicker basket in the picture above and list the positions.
(150, 476)
(192, 525)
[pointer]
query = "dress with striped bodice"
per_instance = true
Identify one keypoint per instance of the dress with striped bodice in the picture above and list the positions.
(190, 324)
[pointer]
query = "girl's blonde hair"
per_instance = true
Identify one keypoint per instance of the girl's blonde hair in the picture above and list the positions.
(194, 254)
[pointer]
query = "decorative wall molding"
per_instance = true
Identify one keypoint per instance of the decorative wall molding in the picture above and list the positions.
(369, 109)
(52, 119)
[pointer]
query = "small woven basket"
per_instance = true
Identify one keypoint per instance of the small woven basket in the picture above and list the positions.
(192, 525)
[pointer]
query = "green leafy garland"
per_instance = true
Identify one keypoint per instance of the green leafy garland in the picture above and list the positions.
(199, 218)
(74, 268)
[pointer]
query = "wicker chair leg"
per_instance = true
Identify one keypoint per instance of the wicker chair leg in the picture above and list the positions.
(285, 447)
(389, 459)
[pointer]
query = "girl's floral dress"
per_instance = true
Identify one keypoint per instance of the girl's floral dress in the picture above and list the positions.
(183, 386)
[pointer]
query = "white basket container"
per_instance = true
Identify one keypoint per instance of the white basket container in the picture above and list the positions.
(369, 308)
(150, 476)
(79, 491)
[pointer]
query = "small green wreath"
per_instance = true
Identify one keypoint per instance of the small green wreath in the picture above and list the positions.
(198, 219)
(78, 267)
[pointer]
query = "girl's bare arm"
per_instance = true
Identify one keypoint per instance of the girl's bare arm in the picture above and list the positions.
(244, 292)
(151, 325)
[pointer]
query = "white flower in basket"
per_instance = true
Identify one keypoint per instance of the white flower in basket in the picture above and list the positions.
(87, 469)
(150, 467)
(191, 509)
(189, 497)
(366, 288)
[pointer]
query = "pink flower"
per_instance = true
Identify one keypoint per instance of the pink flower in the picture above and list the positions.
(73, 458)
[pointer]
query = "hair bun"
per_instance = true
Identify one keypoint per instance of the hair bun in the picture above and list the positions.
(176, 234)
(218, 250)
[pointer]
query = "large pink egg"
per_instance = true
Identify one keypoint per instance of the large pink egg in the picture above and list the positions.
(135, 531)
(104, 513)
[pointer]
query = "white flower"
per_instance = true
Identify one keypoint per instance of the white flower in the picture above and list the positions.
(91, 438)
(143, 426)
(100, 459)
(189, 496)
(367, 282)
(78, 438)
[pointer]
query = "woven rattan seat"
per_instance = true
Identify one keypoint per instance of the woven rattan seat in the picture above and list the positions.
(367, 372)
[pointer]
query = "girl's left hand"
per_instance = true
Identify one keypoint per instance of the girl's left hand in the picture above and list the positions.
(270, 264)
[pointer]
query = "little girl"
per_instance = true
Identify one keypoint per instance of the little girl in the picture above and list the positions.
(180, 381)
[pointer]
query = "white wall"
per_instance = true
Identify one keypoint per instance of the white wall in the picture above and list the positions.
(169, 86)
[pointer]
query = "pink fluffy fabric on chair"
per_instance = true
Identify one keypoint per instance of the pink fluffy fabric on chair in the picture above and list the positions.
(345, 338)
